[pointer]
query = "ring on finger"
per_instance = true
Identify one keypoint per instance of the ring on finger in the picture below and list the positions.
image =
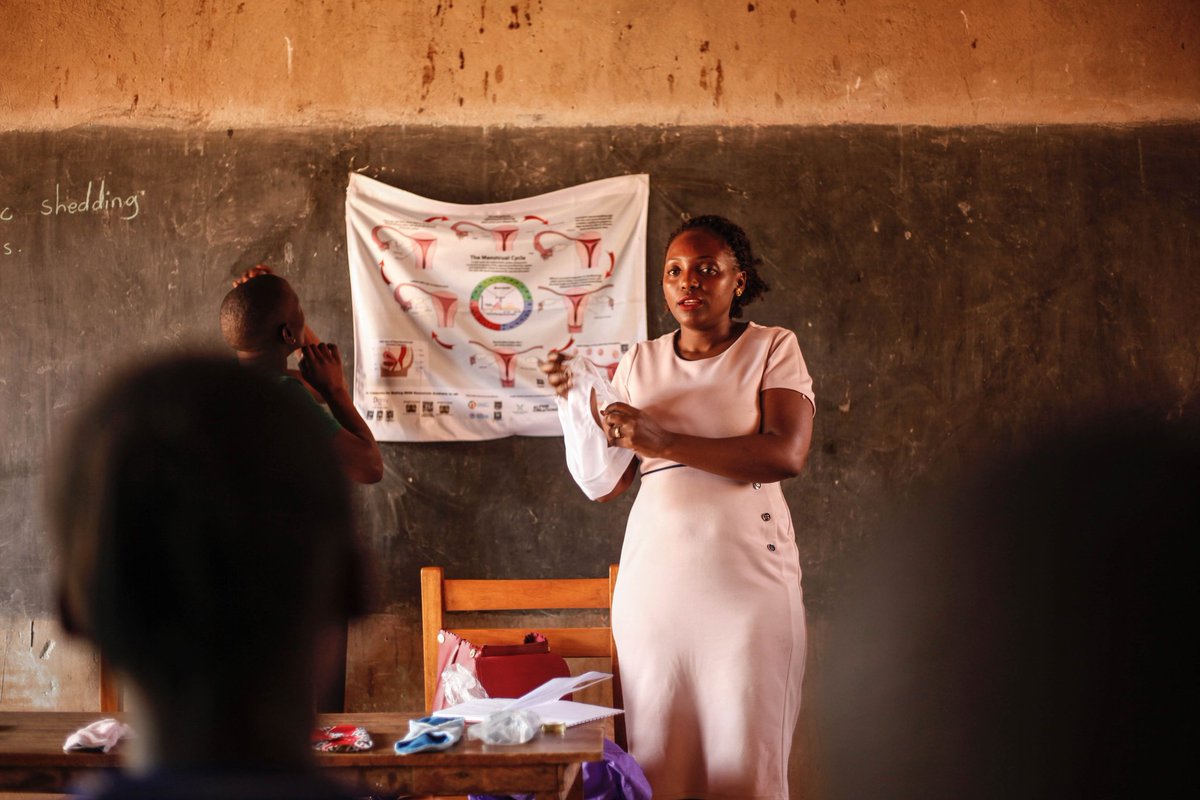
(616, 431)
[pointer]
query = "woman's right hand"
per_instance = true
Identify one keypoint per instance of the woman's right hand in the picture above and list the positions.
(557, 373)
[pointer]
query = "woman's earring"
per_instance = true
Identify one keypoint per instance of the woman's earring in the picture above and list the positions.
(739, 291)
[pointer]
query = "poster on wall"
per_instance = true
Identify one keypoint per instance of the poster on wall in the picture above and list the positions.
(455, 304)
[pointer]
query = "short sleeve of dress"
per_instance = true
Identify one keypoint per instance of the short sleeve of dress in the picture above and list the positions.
(621, 376)
(786, 368)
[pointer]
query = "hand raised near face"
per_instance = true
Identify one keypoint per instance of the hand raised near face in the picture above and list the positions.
(558, 373)
(321, 366)
(635, 430)
(253, 272)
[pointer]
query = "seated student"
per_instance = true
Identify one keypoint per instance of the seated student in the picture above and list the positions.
(1024, 635)
(263, 322)
(206, 545)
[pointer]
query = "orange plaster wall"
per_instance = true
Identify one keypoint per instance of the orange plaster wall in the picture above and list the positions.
(224, 63)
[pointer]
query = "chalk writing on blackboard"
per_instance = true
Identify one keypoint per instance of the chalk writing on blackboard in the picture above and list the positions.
(103, 200)
(6, 215)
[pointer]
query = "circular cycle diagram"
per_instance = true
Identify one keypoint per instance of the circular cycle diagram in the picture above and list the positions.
(501, 303)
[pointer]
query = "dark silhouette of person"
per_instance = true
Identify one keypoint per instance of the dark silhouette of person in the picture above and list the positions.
(1025, 634)
(205, 546)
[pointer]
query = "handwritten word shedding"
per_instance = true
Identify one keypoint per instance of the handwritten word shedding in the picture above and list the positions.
(127, 207)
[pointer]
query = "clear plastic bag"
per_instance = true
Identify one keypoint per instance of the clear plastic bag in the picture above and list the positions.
(459, 685)
(594, 465)
(515, 726)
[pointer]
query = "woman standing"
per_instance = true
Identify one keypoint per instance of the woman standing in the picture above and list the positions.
(708, 613)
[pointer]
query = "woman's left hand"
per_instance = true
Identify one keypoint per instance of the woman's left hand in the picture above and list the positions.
(635, 430)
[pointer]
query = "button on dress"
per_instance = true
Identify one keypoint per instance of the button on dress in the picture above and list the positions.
(708, 613)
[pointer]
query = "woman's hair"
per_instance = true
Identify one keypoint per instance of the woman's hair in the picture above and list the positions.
(743, 253)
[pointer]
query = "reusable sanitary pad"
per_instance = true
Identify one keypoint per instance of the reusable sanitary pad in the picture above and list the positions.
(430, 733)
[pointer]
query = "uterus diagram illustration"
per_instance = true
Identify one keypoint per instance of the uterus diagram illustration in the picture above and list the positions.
(506, 361)
(587, 246)
(610, 367)
(444, 303)
(502, 235)
(575, 302)
(395, 360)
(390, 239)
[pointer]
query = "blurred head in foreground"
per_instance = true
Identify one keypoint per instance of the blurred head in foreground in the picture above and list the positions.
(205, 542)
(1024, 635)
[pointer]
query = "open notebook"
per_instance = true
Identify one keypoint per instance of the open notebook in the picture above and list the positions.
(546, 700)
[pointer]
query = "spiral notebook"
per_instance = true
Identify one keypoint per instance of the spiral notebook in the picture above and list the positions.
(546, 700)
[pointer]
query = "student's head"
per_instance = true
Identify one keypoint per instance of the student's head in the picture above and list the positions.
(262, 314)
(1025, 633)
(204, 531)
(737, 249)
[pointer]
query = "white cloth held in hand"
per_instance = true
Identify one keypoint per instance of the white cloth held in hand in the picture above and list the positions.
(103, 735)
(594, 465)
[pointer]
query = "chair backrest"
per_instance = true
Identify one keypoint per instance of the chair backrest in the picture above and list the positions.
(440, 597)
(110, 690)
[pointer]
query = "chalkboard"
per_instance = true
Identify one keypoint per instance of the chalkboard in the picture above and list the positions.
(951, 289)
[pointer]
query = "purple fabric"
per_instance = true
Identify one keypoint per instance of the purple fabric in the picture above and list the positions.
(616, 777)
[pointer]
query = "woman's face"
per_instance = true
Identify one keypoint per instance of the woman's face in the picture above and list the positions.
(700, 277)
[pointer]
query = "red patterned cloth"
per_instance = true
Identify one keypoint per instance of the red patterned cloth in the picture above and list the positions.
(341, 739)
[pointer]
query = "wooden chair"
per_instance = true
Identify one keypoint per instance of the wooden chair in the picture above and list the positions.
(110, 690)
(440, 596)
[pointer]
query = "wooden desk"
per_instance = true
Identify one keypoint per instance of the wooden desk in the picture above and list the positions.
(32, 760)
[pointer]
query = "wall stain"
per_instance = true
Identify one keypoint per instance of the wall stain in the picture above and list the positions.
(516, 20)
(719, 90)
(462, 60)
(670, 84)
(482, 14)
(499, 74)
(429, 71)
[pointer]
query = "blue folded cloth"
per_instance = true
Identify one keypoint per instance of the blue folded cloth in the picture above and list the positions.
(430, 733)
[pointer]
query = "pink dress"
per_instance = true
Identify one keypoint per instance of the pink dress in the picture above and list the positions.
(708, 613)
